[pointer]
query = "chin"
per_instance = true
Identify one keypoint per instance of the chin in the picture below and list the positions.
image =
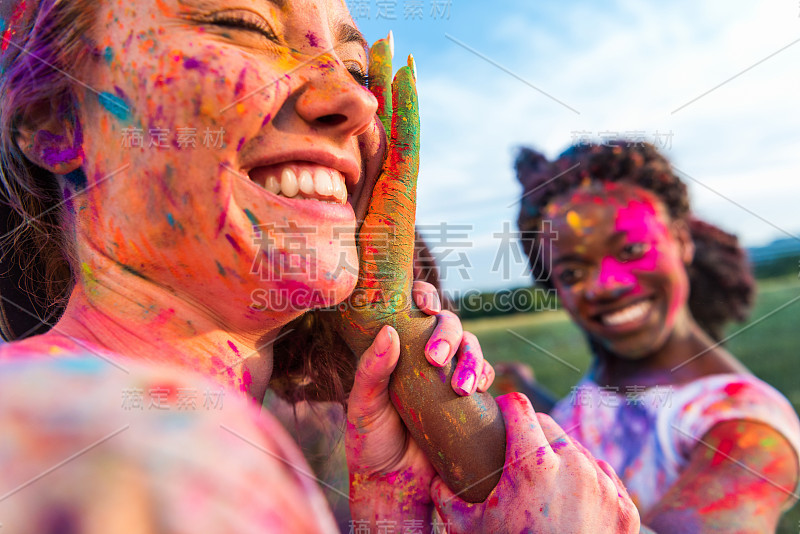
(635, 349)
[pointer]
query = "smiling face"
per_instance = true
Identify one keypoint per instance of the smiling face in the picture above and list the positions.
(619, 265)
(221, 138)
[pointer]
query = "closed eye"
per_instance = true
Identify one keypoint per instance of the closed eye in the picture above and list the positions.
(242, 20)
(357, 72)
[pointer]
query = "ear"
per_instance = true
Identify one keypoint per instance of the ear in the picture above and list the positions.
(683, 236)
(50, 140)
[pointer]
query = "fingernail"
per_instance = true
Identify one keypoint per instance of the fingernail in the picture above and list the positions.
(465, 382)
(412, 65)
(390, 38)
(482, 383)
(384, 341)
(439, 352)
(436, 305)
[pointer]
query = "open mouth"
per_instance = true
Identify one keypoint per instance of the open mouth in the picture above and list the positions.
(629, 315)
(302, 181)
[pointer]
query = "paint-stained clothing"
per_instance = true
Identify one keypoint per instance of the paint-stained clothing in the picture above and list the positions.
(648, 434)
(159, 449)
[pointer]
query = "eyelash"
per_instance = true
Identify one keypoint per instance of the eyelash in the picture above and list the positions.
(254, 23)
(250, 22)
(358, 75)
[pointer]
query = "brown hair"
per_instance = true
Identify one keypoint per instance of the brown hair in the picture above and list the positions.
(42, 45)
(722, 286)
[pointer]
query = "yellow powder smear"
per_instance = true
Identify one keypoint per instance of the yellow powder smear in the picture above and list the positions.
(575, 222)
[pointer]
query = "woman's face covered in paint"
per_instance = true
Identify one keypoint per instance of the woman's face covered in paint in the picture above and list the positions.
(619, 265)
(221, 138)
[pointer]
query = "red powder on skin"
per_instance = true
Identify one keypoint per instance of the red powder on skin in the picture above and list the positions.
(247, 380)
(722, 453)
(16, 17)
(222, 217)
(733, 389)
(240, 83)
(163, 316)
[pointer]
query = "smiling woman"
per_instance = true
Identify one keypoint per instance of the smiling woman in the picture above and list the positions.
(699, 442)
(149, 247)
(191, 67)
(178, 262)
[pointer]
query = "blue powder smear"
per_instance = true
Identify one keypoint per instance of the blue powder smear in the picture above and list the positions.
(77, 178)
(108, 54)
(115, 105)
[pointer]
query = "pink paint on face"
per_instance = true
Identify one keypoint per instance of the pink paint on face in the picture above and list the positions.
(642, 223)
(613, 272)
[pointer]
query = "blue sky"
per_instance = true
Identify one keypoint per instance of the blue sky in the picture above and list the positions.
(621, 66)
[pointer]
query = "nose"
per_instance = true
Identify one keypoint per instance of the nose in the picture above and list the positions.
(332, 102)
(611, 282)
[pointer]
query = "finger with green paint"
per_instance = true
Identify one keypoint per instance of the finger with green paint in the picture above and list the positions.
(421, 393)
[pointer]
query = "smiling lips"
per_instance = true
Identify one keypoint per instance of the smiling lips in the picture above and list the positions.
(627, 315)
(305, 181)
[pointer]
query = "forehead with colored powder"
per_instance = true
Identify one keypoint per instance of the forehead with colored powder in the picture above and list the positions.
(586, 217)
(601, 196)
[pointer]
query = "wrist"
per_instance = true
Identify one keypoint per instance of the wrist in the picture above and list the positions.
(396, 496)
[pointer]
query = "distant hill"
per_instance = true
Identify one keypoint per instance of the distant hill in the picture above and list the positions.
(779, 258)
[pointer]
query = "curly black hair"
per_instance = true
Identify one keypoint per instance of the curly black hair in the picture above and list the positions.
(722, 287)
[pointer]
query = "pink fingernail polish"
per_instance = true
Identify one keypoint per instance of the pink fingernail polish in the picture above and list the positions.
(482, 383)
(466, 382)
(437, 303)
(439, 352)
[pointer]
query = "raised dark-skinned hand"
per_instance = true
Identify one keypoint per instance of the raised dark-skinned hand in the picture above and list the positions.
(462, 436)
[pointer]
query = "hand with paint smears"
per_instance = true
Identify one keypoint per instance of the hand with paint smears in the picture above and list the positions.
(550, 483)
(386, 236)
(390, 476)
(461, 435)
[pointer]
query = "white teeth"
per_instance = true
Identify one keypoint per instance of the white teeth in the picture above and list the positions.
(339, 190)
(289, 186)
(273, 185)
(313, 182)
(323, 184)
(306, 182)
(629, 314)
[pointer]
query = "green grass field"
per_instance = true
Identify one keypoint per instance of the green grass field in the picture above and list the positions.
(769, 345)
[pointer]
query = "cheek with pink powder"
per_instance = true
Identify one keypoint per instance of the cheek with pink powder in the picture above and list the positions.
(642, 223)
